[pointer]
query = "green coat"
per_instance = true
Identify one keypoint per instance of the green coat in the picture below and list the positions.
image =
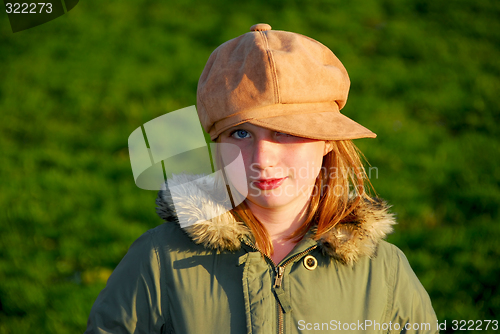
(207, 277)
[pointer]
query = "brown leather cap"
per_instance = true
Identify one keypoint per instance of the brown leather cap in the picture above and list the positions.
(279, 80)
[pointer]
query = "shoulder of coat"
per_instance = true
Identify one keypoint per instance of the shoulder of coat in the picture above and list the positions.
(349, 241)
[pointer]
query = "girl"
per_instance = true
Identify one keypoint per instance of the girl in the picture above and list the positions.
(292, 244)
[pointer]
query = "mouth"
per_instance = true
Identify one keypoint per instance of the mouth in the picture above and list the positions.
(269, 184)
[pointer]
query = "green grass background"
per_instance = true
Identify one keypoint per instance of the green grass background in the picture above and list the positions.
(425, 77)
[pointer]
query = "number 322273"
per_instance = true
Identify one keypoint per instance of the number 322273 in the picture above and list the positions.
(28, 8)
(472, 325)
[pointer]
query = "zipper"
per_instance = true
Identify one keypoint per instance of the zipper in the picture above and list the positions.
(280, 318)
(280, 270)
(267, 257)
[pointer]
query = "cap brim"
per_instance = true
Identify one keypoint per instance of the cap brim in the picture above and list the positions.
(323, 126)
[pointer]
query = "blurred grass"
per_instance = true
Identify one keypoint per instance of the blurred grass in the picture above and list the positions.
(425, 77)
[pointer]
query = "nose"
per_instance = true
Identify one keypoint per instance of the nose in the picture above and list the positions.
(265, 154)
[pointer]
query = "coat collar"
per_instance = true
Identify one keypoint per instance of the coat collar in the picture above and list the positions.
(199, 204)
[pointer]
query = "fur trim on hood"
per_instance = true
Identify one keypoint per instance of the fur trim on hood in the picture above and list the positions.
(200, 205)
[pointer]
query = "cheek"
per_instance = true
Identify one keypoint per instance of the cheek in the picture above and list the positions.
(234, 167)
(251, 169)
(308, 163)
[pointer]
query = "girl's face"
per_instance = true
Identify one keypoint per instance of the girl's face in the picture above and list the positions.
(280, 169)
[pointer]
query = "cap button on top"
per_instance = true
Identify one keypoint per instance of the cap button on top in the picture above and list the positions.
(260, 27)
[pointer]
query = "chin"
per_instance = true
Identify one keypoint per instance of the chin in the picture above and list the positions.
(270, 202)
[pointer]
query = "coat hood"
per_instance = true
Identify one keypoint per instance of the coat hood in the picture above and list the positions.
(200, 205)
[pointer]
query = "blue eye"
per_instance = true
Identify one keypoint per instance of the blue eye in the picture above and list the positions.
(240, 134)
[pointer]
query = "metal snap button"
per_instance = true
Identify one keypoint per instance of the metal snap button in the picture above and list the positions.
(310, 262)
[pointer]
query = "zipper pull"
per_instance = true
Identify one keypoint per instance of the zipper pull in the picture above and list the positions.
(280, 294)
(279, 276)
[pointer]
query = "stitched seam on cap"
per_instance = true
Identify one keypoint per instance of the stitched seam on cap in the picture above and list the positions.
(273, 69)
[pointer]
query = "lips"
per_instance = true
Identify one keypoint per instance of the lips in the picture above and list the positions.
(268, 184)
